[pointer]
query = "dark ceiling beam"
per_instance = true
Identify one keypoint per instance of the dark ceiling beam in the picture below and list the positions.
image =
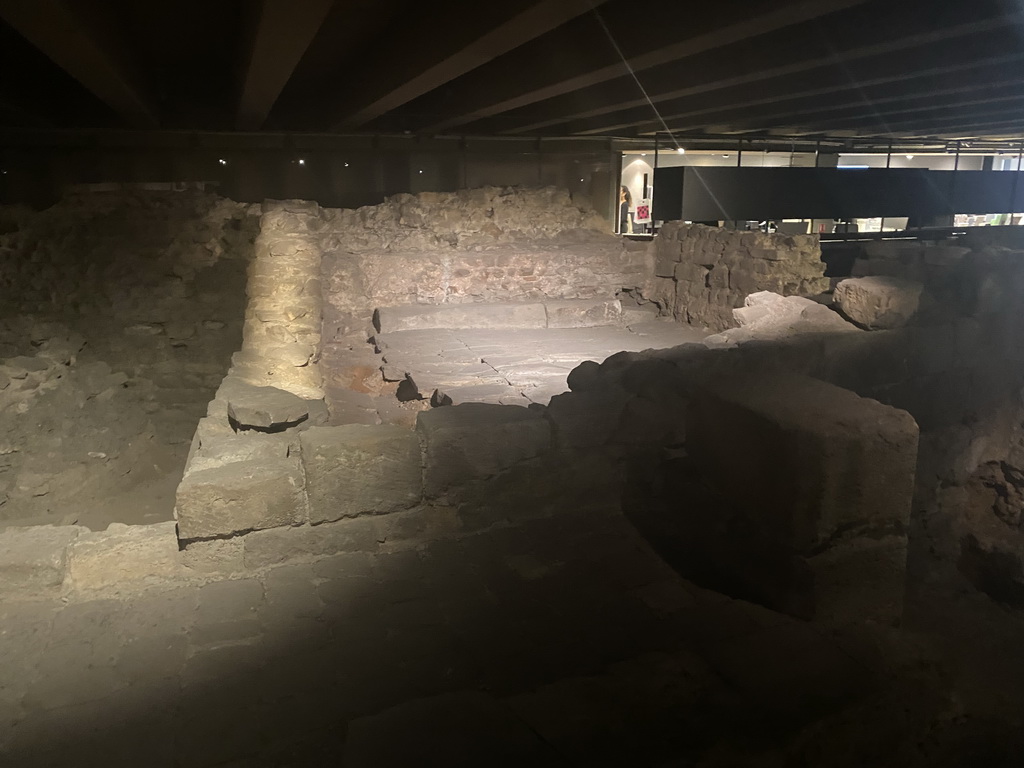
(862, 95)
(731, 68)
(964, 114)
(284, 31)
(948, 127)
(935, 102)
(885, 120)
(395, 85)
(87, 50)
(830, 77)
(481, 105)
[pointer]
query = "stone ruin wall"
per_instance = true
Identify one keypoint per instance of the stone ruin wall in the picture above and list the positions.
(484, 245)
(702, 273)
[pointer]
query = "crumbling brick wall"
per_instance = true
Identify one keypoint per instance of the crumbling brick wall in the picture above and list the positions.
(703, 273)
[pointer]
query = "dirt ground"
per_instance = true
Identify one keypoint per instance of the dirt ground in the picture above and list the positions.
(119, 313)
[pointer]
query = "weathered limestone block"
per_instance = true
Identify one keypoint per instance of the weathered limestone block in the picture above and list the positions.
(35, 558)
(266, 408)
(583, 313)
(499, 316)
(357, 469)
(878, 302)
(241, 497)
(466, 443)
(124, 555)
(806, 458)
(216, 449)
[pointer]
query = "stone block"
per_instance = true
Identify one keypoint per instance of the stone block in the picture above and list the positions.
(241, 497)
(35, 558)
(358, 469)
(280, 545)
(447, 316)
(586, 419)
(585, 313)
(265, 408)
(124, 556)
(878, 302)
(466, 443)
(694, 273)
(804, 458)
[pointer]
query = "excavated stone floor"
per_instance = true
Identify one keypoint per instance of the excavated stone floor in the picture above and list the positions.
(513, 367)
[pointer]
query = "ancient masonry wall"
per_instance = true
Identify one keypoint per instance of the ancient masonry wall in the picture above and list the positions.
(485, 245)
(702, 273)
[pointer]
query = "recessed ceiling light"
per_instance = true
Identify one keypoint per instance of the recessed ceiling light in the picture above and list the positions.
(346, 165)
(643, 154)
(301, 161)
(910, 157)
(680, 150)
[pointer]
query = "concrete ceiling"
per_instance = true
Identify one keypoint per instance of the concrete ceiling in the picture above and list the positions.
(731, 68)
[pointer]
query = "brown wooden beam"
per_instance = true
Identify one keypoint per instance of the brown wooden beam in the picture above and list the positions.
(283, 33)
(748, 27)
(86, 51)
(393, 89)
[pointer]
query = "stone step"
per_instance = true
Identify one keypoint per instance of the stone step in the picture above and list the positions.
(575, 313)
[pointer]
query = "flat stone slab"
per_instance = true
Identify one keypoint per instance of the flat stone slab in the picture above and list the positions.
(582, 313)
(241, 497)
(448, 316)
(35, 558)
(358, 469)
(265, 407)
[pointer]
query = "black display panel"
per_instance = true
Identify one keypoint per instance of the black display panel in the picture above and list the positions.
(710, 194)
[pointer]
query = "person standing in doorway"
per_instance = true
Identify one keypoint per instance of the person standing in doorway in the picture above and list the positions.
(625, 203)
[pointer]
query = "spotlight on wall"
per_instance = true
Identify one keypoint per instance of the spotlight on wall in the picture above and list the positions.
(680, 150)
(910, 157)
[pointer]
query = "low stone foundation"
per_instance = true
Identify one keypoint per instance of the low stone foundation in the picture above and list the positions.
(702, 273)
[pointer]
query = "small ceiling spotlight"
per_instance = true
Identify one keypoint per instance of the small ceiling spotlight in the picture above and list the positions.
(346, 165)
(581, 179)
(222, 161)
(724, 155)
(910, 157)
(302, 161)
(680, 150)
(643, 154)
(421, 170)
